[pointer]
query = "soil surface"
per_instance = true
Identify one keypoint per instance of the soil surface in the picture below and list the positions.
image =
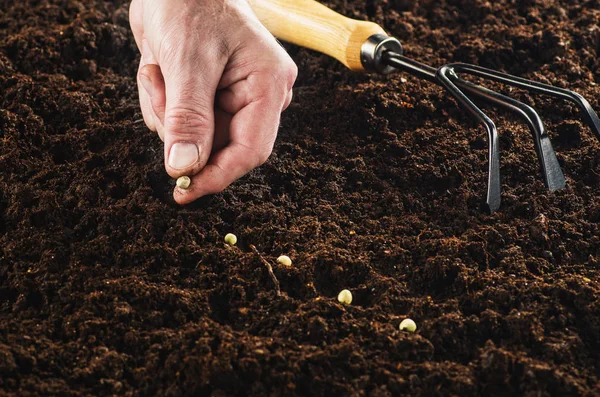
(375, 185)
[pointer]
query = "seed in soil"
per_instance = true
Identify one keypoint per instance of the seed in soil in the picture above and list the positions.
(345, 297)
(408, 325)
(230, 239)
(184, 182)
(285, 260)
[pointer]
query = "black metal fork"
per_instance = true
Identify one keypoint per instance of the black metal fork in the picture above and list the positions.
(462, 90)
(364, 46)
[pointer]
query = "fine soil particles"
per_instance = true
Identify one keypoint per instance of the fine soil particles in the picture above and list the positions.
(375, 184)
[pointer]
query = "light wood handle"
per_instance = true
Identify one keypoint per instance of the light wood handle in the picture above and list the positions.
(312, 25)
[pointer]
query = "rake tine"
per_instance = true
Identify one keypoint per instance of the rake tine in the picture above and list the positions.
(590, 116)
(427, 72)
(554, 178)
(493, 186)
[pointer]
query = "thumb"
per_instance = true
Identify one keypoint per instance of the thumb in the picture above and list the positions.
(189, 119)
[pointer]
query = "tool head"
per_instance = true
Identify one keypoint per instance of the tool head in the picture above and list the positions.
(466, 93)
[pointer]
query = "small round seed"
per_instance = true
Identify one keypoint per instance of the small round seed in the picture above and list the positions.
(345, 297)
(285, 260)
(184, 182)
(408, 325)
(230, 239)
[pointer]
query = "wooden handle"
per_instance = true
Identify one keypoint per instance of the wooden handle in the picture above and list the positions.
(312, 25)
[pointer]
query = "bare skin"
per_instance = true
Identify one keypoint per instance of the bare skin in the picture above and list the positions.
(212, 83)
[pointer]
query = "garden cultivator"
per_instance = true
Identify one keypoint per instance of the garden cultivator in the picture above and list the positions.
(364, 46)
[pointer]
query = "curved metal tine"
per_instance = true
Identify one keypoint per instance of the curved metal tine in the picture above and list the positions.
(493, 186)
(554, 178)
(590, 116)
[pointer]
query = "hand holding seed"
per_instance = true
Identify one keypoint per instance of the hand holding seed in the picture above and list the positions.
(212, 83)
(183, 182)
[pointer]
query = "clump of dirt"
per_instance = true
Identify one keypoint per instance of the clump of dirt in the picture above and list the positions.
(375, 185)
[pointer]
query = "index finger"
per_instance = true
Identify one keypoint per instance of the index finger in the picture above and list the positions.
(136, 21)
(253, 130)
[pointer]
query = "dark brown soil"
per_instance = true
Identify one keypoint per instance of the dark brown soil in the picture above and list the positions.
(375, 185)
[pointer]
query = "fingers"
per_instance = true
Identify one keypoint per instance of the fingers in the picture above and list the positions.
(154, 92)
(188, 120)
(137, 27)
(191, 72)
(181, 91)
(153, 86)
(184, 61)
(256, 103)
(288, 99)
(234, 98)
(225, 167)
(222, 132)
(252, 132)
(151, 89)
(145, 104)
(136, 21)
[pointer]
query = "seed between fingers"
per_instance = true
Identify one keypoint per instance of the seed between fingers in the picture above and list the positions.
(184, 182)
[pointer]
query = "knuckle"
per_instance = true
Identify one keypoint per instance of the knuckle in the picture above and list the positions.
(261, 156)
(288, 100)
(187, 121)
(223, 47)
(285, 74)
(142, 72)
(174, 40)
(290, 73)
(255, 156)
(181, 37)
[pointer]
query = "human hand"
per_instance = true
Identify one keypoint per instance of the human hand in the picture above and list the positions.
(212, 83)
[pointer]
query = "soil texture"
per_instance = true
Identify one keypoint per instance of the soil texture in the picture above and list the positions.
(108, 287)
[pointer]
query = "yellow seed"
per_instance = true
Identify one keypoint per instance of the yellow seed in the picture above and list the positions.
(408, 325)
(345, 297)
(285, 260)
(230, 239)
(184, 182)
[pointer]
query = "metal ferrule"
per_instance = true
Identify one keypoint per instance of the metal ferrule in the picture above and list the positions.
(372, 51)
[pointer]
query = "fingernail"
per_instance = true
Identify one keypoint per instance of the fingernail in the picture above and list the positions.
(183, 155)
(147, 84)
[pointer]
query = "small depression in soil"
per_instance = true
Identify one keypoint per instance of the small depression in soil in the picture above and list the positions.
(375, 185)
